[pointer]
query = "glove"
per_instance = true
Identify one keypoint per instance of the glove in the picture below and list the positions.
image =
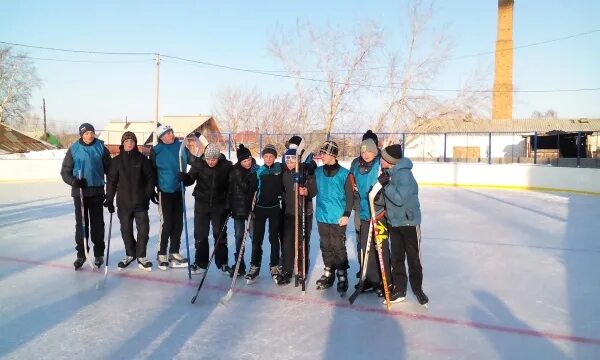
(109, 205)
(182, 177)
(384, 179)
(296, 178)
(154, 197)
(79, 183)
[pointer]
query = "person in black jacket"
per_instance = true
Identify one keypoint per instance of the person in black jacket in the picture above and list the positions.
(83, 168)
(132, 179)
(242, 187)
(211, 174)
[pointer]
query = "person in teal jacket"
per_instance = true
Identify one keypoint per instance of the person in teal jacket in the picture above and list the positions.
(334, 205)
(403, 214)
(165, 159)
(85, 164)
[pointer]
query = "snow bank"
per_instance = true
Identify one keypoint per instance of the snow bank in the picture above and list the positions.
(44, 154)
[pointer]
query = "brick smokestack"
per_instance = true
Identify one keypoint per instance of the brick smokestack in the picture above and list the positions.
(503, 86)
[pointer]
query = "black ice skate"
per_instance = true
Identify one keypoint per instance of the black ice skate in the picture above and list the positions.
(327, 279)
(177, 261)
(421, 297)
(79, 263)
(144, 264)
(252, 275)
(276, 275)
(396, 295)
(125, 262)
(241, 270)
(198, 269)
(342, 285)
(98, 261)
(163, 262)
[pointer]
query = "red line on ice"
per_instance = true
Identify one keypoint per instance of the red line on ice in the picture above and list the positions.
(333, 304)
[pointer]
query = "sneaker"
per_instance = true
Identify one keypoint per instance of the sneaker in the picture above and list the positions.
(421, 297)
(198, 269)
(125, 262)
(98, 261)
(327, 279)
(163, 262)
(252, 275)
(79, 263)
(396, 296)
(144, 264)
(177, 260)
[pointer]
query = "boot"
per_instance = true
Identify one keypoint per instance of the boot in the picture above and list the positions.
(342, 285)
(327, 279)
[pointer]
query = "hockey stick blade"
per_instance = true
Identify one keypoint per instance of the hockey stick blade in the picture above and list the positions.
(225, 299)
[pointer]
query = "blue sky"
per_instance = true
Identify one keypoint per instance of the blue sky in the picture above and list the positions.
(237, 33)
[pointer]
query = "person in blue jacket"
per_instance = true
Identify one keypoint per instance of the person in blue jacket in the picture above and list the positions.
(365, 171)
(334, 205)
(403, 214)
(85, 164)
(165, 159)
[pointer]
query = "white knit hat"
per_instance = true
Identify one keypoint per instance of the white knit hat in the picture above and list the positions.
(161, 130)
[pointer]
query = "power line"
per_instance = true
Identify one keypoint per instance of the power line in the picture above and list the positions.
(77, 51)
(91, 61)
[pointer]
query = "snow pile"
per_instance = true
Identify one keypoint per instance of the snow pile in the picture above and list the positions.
(44, 154)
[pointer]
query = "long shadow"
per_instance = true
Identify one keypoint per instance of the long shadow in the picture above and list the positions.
(18, 267)
(29, 201)
(492, 310)
(34, 323)
(33, 213)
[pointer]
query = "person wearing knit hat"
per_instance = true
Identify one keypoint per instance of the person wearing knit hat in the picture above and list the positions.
(268, 205)
(293, 142)
(242, 187)
(364, 171)
(165, 158)
(403, 215)
(83, 168)
(334, 205)
(211, 175)
(371, 135)
(131, 179)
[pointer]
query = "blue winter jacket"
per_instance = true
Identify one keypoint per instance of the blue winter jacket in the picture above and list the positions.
(165, 159)
(401, 196)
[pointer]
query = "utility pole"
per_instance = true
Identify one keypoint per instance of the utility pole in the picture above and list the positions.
(156, 83)
(44, 108)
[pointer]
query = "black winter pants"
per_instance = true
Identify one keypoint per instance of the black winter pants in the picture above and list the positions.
(94, 224)
(333, 245)
(260, 218)
(134, 248)
(170, 210)
(288, 242)
(373, 268)
(405, 242)
(240, 229)
(204, 217)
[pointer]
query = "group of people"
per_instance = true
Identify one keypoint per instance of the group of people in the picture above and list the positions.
(251, 194)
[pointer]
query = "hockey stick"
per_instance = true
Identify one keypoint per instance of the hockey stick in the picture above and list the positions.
(363, 272)
(299, 152)
(185, 224)
(84, 227)
(225, 299)
(211, 258)
(376, 188)
(108, 246)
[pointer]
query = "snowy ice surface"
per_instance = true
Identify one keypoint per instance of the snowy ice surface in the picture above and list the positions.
(509, 274)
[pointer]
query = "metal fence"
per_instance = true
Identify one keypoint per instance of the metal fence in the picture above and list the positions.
(580, 149)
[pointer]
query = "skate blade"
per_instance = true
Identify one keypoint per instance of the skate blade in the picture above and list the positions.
(145, 269)
(250, 281)
(120, 269)
(425, 306)
(178, 265)
(398, 300)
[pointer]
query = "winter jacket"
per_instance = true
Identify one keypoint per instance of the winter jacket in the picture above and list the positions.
(401, 196)
(335, 196)
(212, 183)
(242, 186)
(94, 162)
(165, 159)
(132, 178)
(290, 192)
(365, 176)
(269, 186)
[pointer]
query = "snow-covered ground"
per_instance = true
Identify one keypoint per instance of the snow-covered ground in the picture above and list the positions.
(43, 154)
(509, 274)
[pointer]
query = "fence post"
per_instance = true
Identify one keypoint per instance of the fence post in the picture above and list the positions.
(260, 146)
(557, 148)
(535, 147)
(490, 149)
(229, 145)
(578, 148)
(445, 144)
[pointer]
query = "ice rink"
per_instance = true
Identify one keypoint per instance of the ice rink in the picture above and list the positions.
(509, 274)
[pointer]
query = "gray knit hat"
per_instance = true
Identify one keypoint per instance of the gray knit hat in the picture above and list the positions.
(212, 152)
(392, 154)
(269, 149)
(368, 145)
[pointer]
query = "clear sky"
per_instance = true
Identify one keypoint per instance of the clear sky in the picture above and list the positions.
(237, 33)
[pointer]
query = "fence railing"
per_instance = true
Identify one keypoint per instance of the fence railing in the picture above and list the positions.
(576, 149)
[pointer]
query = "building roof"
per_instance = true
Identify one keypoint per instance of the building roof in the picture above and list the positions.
(508, 126)
(14, 141)
(182, 126)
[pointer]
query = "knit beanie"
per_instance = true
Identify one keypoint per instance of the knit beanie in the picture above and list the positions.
(289, 152)
(269, 149)
(294, 142)
(370, 135)
(128, 136)
(368, 145)
(212, 152)
(392, 154)
(161, 130)
(329, 148)
(243, 153)
(85, 127)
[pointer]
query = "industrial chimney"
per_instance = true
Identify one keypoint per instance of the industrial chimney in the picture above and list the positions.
(502, 96)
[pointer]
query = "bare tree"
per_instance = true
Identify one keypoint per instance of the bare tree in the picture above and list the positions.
(18, 78)
(549, 114)
(239, 110)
